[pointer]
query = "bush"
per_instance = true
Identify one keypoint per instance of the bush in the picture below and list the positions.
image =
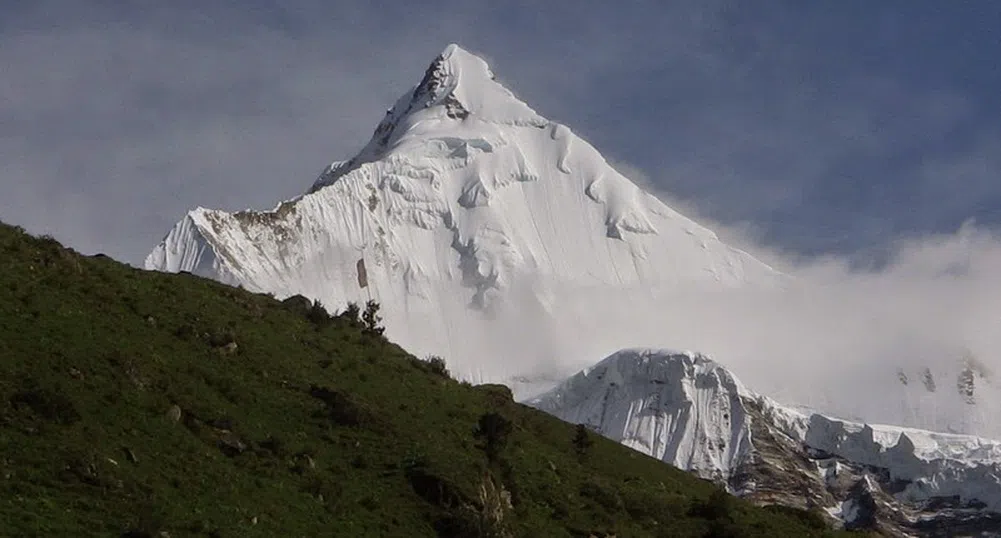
(339, 407)
(50, 405)
(298, 304)
(414, 460)
(602, 495)
(222, 337)
(718, 507)
(372, 319)
(494, 429)
(813, 518)
(582, 440)
(185, 331)
(149, 523)
(351, 313)
(318, 315)
(437, 366)
(497, 396)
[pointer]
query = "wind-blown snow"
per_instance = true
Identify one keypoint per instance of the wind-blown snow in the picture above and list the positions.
(687, 410)
(464, 199)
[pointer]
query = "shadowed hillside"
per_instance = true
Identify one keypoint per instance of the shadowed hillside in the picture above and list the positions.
(147, 404)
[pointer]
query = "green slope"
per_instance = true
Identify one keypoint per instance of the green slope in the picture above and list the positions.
(138, 403)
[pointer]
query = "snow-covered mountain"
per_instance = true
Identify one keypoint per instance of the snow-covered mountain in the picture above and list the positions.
(507, 244)
(689, 411)
(465, 205)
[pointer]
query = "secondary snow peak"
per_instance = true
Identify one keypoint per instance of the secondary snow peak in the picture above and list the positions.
(690, 411)
(680, 407)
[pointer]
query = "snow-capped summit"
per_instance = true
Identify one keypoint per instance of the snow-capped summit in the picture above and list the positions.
(465, 200)
(680, 407)
(457, 85)
(687, 410)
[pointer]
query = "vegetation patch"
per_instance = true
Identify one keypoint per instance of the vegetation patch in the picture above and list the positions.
(137, 403)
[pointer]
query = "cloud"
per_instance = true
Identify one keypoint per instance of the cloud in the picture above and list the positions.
(114, 126)
(787, 136)
(119, 118)
(835, 338)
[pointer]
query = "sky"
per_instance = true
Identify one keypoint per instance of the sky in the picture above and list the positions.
(810, 128)
(855, 144)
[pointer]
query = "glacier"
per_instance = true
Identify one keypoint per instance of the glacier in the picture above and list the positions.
(687, 410)
(466, 205)
(505, 243)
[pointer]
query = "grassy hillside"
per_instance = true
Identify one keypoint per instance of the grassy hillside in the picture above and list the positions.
(143, 404)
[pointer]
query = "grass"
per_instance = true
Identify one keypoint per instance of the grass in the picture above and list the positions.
(135, 403)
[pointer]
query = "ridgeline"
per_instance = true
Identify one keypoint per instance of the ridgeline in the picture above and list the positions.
(144, 404)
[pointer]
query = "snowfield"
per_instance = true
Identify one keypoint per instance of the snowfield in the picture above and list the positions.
(687, 410)
(464, 201)
(509, 246)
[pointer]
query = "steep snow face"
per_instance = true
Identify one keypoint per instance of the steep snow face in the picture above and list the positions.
(681, 408)
(685, 409)
(464, 202)
(457, 85)
(187, 249)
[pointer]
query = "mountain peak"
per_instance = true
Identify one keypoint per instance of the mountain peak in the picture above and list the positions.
(464, 85)
(458, 89)
(628, 393)
(466, 207)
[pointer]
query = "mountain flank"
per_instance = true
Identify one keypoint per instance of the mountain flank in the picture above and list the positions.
(137, 403)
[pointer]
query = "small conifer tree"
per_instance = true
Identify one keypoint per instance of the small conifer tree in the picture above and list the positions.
(582, 440)
(351, 313)
(372, 319)
(494, 429)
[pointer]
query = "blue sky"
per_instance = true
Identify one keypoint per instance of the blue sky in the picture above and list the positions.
(809, 127)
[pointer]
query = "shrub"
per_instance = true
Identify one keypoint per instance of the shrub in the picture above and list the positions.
(317, 314)
(372, 319)
(437, 366)
(434, 489)
(582, 440)
(339, 407)
(718, 507)
(185, 331)
(49, 404)
(414, 460)
(298, 304)
(812, 518)
(275, 446)
(149, 523)
(497, 396)
(222, 337)
(494, 430)
(351, 314)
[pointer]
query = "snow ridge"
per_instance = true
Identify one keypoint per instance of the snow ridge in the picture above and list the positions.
(689, 411)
